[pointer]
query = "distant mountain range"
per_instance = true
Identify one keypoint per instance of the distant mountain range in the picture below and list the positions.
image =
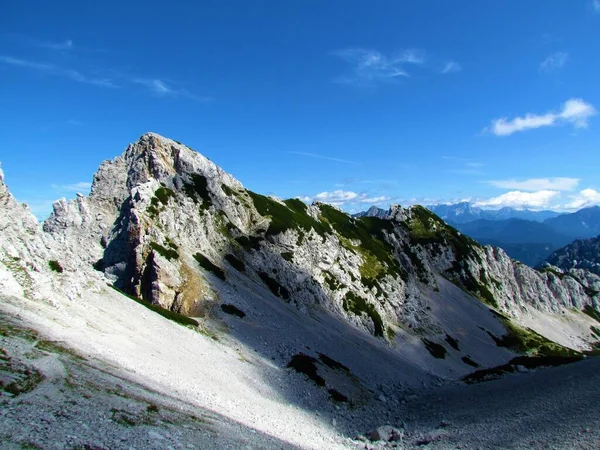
(582, 224)
(528, 236)
(528, 241)
(465, 212)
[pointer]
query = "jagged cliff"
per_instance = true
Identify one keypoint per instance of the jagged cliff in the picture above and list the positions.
(581, 254)
(165, 224)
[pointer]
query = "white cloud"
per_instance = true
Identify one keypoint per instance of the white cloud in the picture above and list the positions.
(574, 111)
(585, 198)
(538, 184)
(318, 156)
(82, 186)
(369, 66)
(65, 45)
(162, 89)
(596, 5)
(115, 80)
(452, 67)
(51, 69)
(518, 199)
(340, 197)
(554, 62)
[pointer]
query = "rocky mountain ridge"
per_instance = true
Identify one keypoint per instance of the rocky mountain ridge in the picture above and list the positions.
(369, 311)
(167, 225)
(582, 254)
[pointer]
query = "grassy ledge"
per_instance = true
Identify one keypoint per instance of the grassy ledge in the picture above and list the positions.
(173, 316)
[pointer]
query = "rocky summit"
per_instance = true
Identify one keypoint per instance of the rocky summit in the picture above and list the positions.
(297, 322)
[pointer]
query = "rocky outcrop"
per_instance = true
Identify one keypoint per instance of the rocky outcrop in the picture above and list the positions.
(581, 254)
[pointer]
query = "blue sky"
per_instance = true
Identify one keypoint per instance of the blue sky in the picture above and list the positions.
(351, 102)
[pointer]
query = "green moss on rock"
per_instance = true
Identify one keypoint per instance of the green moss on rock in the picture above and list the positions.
(235, 263)
(275, 287)
(358, 305)
(207, 264)
(197, 189)
(291, 215)
(168, 253)
(55, 266)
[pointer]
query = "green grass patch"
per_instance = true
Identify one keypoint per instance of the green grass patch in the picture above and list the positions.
(452, 342)
(528, 342)
(168, 253)
(171, 315)
(332, 363)
(469, 361)
(291, 215)
(529, 362)
(275, 287)
(437, 350)
(232, 310)
(57, 348)
(330, 280)
(163, 194)
(595, 331)
(592, 312)
(377, 253)
(161, 197)
(197, 189)
(227, 190)
(235, 263)
(207, 264)
(249, 242)
(307, 365)
(55, 265)
(391, 334)
(358, 305)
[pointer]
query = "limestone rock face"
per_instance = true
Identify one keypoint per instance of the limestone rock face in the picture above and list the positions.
(167, 225)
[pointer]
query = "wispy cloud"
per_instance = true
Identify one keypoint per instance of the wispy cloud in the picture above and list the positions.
(554, 62)
(451, 67)
(81, 186)
(340, 198)
(538, 184)
(596, 5)
(65, 45)
(113, 79)
(575, 112)
(52, 69)
(371, 66)
(75, 123)
(325, 157)
(466, 166)
(162, 89)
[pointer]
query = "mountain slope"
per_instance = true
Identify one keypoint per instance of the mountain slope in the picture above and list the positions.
(584, 223)
(524, 240)
(369, 271)
(353, 304)
(581, 254)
